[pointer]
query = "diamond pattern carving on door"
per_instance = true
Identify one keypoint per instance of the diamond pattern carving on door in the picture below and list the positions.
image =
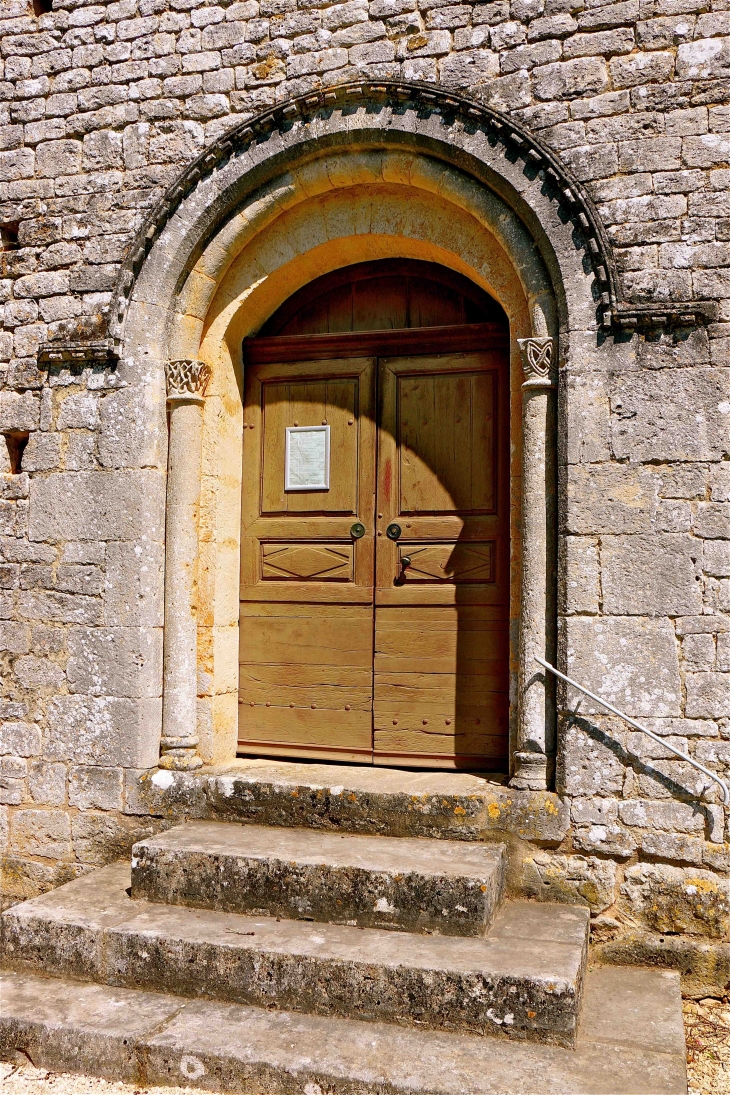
(448, 562)
(326, 562)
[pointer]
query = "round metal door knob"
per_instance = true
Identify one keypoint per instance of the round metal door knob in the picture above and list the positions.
(393, 532)
(357, 531)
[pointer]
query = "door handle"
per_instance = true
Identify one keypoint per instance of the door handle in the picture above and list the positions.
(393, 532)
(357, 531)
(405, 562)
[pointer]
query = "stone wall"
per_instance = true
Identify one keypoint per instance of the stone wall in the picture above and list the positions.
(101, 108)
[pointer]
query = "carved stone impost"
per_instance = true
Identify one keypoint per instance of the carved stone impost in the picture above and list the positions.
(187, 381)
(537, 362)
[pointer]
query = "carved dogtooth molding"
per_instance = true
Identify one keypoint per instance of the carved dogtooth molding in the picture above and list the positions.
(614, 313)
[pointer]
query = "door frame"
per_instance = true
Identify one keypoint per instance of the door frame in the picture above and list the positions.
(411, 340)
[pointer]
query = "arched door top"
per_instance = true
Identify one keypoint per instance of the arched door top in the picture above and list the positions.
(385, 294)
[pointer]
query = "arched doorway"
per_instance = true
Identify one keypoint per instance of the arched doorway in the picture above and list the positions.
(375, 540)
(397, 172)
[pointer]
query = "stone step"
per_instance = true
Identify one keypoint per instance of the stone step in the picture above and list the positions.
(631, 1043)
(523, 980)
(357, 799)
(444, 887)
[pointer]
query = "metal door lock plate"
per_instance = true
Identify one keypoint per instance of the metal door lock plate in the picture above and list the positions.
(357, 531)
(393, 532)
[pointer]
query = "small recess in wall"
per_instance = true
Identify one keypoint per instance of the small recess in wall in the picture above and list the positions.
(16, 442)
(9, 235)
(42, 7)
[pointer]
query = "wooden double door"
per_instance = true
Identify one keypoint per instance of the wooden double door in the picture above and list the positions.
(375, 554)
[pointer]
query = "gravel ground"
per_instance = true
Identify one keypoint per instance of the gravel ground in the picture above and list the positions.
(36, 1081)
(707, 1023)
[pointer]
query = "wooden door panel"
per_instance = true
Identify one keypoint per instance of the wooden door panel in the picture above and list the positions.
(333, 686)
(306, 635)
(437, 689)
(298, 639)
(440, 693)
(302, 728)
(429, 652)
(462, 618)
(446, 470)
(332, 402)
(413, 749)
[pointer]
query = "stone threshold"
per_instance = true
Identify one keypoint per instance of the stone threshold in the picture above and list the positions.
(351, 798)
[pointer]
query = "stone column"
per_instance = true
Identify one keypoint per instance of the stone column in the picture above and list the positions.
(534, 758)
(186, 384)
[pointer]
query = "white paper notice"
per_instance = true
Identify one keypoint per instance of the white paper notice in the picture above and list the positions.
(307, 464)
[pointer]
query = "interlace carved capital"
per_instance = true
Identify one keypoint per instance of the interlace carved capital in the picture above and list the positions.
(186, 379)
(537, 361)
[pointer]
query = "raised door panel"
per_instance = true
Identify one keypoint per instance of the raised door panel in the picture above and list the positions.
(327, 402)
(297, 544)
(445, 428)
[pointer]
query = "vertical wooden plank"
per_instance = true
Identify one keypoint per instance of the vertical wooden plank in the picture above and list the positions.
(432, 305)
(275, 420)
(415, 439)
(482, 442)
(389, 472)
(452, 466)
(380, 304)
(252, 478)
(338, 306)
(340, 414)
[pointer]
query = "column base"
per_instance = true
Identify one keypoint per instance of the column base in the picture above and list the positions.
(532, 772)
(179, 754)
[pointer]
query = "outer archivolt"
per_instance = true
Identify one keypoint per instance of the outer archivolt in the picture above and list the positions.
(613, 312)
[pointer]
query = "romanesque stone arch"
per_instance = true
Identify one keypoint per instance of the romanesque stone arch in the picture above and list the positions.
(455, 183)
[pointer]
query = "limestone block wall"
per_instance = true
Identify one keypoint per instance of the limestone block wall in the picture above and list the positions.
(102, 105)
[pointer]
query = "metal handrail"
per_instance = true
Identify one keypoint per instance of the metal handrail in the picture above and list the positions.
(615, 711)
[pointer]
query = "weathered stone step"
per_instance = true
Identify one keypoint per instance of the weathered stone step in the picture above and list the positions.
(439, 886)
(631, 1043)
(524, 979)
(356, 799)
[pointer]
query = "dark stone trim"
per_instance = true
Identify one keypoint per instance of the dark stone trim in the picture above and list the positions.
(54, 353)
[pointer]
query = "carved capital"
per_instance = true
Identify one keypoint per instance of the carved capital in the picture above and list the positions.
(187, 380)
(537, 361)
